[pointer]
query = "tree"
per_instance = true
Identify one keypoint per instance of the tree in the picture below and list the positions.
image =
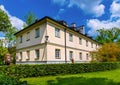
(30, 19)
(4, 21)
(108, 35)
(9, 36)
(107, 53)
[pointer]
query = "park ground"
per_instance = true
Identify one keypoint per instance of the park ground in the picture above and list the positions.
(94, 78)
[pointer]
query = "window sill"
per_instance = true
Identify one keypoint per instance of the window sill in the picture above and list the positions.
(57, 58)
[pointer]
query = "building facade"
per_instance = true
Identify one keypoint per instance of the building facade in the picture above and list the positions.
(51, 41)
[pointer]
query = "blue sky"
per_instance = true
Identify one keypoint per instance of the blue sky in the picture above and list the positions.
(94, 14)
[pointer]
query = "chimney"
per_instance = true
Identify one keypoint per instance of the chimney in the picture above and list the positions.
(73, 25)
(81, 29)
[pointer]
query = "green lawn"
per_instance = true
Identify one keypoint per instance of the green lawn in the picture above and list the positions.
(96, 78)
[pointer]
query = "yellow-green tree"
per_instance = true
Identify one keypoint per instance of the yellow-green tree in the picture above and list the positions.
(107, 53)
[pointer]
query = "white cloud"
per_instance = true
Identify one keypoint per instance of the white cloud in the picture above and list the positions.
(96, 24)
(88, 6)
(59, 13)
(115, 9)
(16, 22)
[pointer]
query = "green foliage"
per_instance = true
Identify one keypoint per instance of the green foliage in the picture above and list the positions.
(108, 35)
(10, 80)
(56, 69)
(3, 52)
(30, 19)
(9, 35)
(107, 53)
(4, 21)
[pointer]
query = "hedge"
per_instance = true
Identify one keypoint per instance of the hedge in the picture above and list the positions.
(56, 69)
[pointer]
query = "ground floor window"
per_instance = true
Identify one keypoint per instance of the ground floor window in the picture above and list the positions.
(87, 57)
(80, 56)
(71, 55)
(37, 53)
(20, 55)
(28, 55)
(57, 53)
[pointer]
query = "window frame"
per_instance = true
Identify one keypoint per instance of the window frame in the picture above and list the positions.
(57, 32)
(70, 37)
(70, 55)
(86, 43)
(87, 56)
(57, 53)
(28, 55)
(21, 39)
(28, 36)
(37, 32)
(80, 55)
(37, 53)
(80, 41)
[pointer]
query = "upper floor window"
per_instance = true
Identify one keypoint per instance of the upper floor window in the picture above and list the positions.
(91, 45)
(57, 32)
(87, 57)
(28, 36)
(37, 53)
(70, 37)
(37, 32)
(71, 55)
(80, 40)
(21, 39)
(80, 55)
(87, 43)
(57, 53)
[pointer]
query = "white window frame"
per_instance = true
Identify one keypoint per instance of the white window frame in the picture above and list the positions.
(80, 55)
(70, 37)
(57, 32)
(80, 41)
(57, 53)
(37, 32)
(71, 55)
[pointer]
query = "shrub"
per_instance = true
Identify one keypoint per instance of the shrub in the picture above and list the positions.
(10, 80)
(55, 69)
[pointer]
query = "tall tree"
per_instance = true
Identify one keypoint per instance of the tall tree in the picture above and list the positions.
(108, 35)
(30, 19)
(9, 36)
(4, 21)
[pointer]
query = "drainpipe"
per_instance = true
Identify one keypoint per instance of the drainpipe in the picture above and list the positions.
(65, 47)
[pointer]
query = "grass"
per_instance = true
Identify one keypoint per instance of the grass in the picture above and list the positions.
(95, 78)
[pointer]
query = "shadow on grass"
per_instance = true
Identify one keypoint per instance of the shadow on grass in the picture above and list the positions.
(81, 81)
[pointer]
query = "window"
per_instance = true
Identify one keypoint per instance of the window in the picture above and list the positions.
(37, 53)
(91, 45)
(37, 33)
(57, 32)
(87, 43)
(80, 55)
(87, 57)
(96, 46)
(80, 40)
(28, 36)
(20, 55)
(70, 37)
(71, 55)
(28, 55)
(21, 39)
(57, 53)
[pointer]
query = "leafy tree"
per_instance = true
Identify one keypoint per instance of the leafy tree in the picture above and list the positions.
(3, 52)
(9, 36)
(30, 19)
(4, 21)
(107, 53)
(108, 35)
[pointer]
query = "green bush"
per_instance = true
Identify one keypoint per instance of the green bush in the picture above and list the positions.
(55, 69)
(10, 80)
